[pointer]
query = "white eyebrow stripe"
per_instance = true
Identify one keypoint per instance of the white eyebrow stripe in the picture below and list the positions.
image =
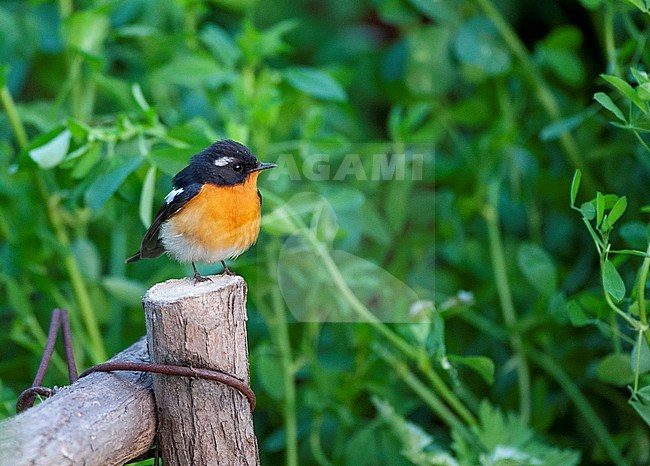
(223, 161)
(172, 194)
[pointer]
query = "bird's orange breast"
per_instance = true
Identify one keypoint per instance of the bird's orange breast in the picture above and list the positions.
(219, 223)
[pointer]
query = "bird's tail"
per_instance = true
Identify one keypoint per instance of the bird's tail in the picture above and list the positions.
(134, 258)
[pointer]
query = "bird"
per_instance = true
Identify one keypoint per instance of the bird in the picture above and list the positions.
(213, 211)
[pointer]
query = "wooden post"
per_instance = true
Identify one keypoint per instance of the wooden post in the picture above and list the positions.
(202, 325)
(104, 418)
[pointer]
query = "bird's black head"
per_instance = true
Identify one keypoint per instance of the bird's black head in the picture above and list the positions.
(224, 163)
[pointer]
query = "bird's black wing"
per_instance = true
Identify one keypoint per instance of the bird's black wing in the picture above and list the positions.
(151, 245)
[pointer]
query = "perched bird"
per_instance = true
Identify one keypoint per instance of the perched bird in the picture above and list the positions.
(213, 211)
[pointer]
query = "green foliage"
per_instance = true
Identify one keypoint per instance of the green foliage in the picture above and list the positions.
(419, 273)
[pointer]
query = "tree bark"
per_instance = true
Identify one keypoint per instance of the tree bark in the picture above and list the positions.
(102, 419)
(202, 325)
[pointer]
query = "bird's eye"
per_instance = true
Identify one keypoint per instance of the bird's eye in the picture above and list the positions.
(238, 167)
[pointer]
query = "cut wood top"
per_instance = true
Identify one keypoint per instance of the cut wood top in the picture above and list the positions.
(179, 289)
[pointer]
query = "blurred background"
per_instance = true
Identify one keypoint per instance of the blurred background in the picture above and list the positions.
(452, 265)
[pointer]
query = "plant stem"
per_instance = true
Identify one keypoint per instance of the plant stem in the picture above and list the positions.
(562, 378)
(610, 45)
(632, 322)
(66, 8)
(365, 315)
(314, 442)
(14, 119)
(436, 381)
(75, 70)
(544, 94)
(637, 363)
(643, 315)
(23, 142)
(411, 352)
(571, 389)
(280, 331)
(490, 213)
(353, 301)
(96, 348)
(430, 398)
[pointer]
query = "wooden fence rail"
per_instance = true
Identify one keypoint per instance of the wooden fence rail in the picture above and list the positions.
(109, 418)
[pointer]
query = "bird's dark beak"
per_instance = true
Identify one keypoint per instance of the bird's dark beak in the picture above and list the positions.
(263, 166)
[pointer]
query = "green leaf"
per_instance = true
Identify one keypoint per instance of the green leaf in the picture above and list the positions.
(146, 196)
(612, 281)
(126, 291)
(221, 45)
(559, 51)
(139, 97)
(514, 438)
(640, 4)
(625, 89)
(588, 210)
(429, 69)
(640, 76)
(600, 208)
(86, 31)
(171, 160)
(324, 223)
(195, 71)
(361, 447)
(575, 186)
(52, 153)
(640, 401)
(483, 365)
(577, 316)
(437, 10)
(78, 129)
(478, 45)
(87, 161)
(267, 364)
(315, 83)
(499, 429)
(538, 268)
(564, 37)
(104, 186)
(643, 91)
(617, 211)
(604, 100)
(560, 127)
(256, 45)
(614, 369)
(416, 444)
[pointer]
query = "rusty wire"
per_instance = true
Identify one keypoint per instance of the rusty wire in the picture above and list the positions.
(60, 320)
(182, 371)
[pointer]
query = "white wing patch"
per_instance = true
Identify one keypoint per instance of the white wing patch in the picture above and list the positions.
(172, 194)
(223, 161)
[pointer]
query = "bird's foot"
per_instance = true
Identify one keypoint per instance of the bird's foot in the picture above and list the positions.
(198, 278)
(226, 270)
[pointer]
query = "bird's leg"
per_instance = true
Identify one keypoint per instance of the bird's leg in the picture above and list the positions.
(226, 270)
(198, 277)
